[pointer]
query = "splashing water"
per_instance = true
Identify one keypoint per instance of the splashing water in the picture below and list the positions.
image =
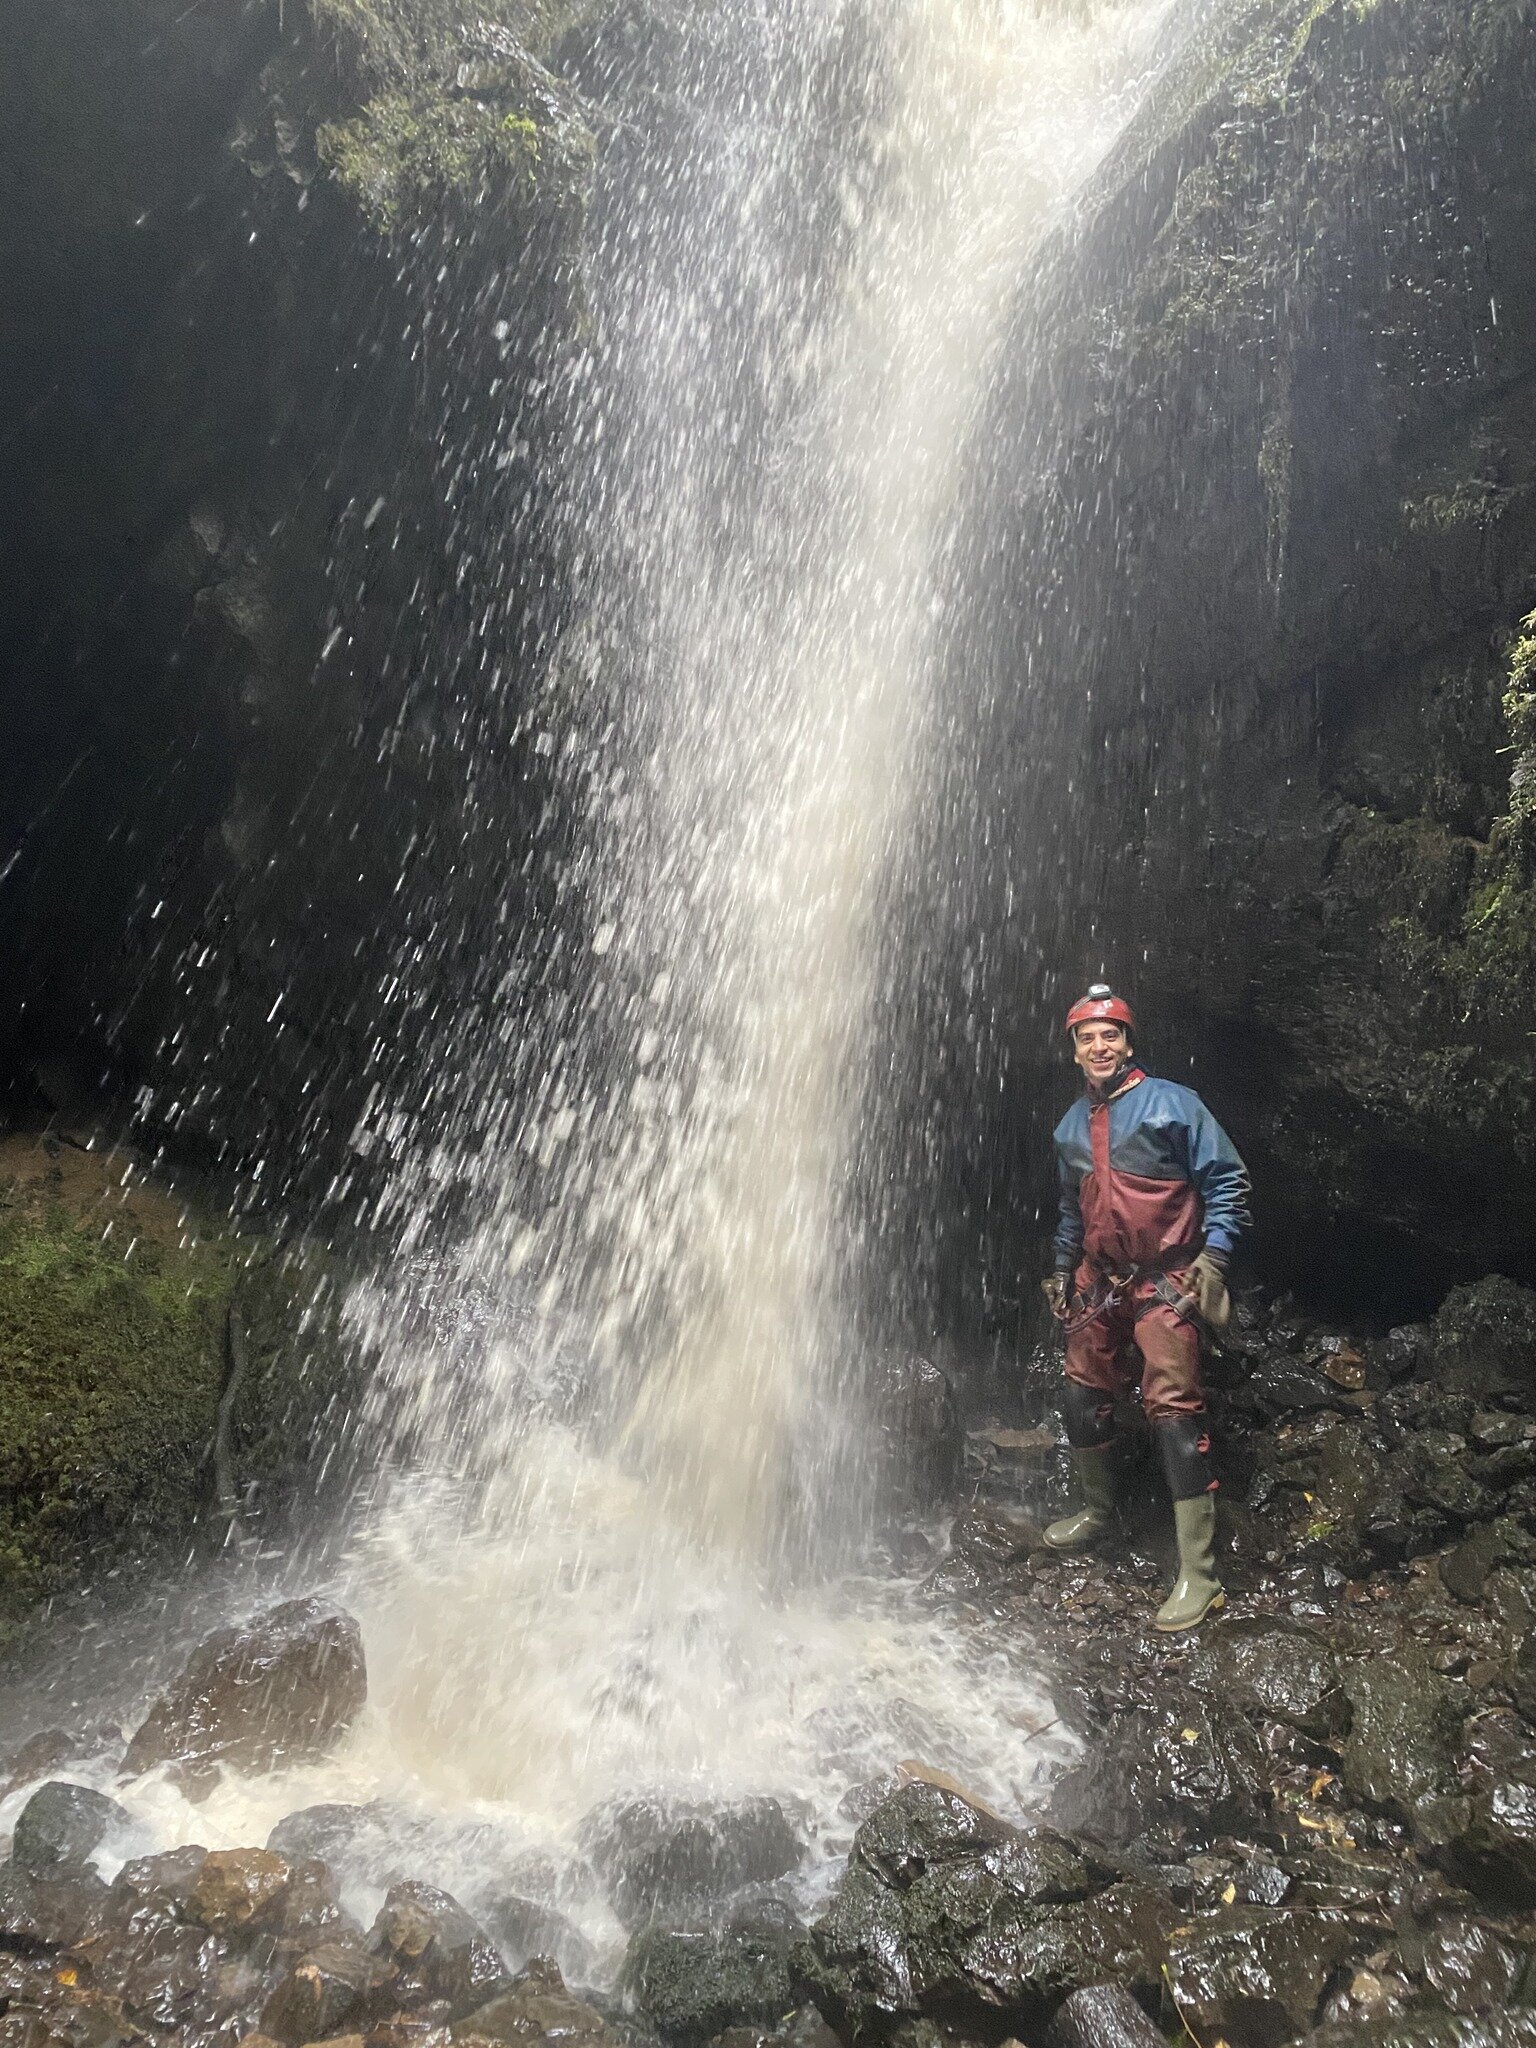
(606, 1556)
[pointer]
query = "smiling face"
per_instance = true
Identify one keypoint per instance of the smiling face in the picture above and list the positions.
(1100, 1049)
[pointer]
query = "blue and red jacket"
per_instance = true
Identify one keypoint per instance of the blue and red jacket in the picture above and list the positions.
(1146, 1176)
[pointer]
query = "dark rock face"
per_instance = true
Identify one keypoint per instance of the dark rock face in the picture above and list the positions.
(1181, 1768)
(285, 1685)
(691, 1984)
(947, 1914)
(1404, 1724)
(1272, 1667)
(658, 1858)
(438, 1951)
(1256, 1979)
(917, 1441)
(61, 1827)
(1280, 533)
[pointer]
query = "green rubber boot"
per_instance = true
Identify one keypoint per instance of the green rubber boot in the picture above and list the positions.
(1197, 1591)
(1094, 1517)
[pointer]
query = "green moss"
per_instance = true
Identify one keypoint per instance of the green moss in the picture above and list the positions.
(1520, 714)
(408, 150)
(114, 1356)
(455, 103)
(111, 1363)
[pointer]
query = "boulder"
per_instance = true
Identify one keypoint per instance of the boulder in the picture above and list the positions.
(62, 1826)
(1470, 1967)
(1176, 1773)
(691, 1984)
(238, 1888)
(1430, 2029)
(947, 1914)
(1483, 1338)
(1105, 2016)
(48, 1912)
(1273, 1668)
(1252, 1978)
(281, 1687)
(803, 2028)
(1493, 1851)
(333, 1984)
(658, 1858)
(536, 2009)
(914, 1439)
(1404, 1727)
(523, 1929)
(437, 1951)
(45, 1751)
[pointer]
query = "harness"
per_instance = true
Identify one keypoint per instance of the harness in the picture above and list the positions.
(1111, 1284)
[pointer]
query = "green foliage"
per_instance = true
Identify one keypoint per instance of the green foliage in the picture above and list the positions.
(408, 149)
(110, 1370)
(1520, 712)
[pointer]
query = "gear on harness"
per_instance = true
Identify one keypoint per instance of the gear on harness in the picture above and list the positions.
(1057, 1288)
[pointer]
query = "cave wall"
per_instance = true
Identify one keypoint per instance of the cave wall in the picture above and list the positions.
(1253, 532)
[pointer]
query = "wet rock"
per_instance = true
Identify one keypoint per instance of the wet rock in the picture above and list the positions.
(155, 1885)
(332, 1985)
(1493, 1852)
(523, 1929)
(1483, 1337)
(803, 2028)
(237, 1888)
(1366, 1996)
(1470, 1967)
(1271, 1667)
(1252, 1978)
(1464, 1571)
(48, 1912)
(1180, 1767)
(437, 1950)
(986, 1537)
(536, 2009)
(281, 1687)
(656, 1858)
(948, 1914)
(62, 1826)
(916, 1441)
(327, 1832)
(42, 1752)
(690, 1985)
(1105, 2016)
(1429, 2029)
(1405, 1723)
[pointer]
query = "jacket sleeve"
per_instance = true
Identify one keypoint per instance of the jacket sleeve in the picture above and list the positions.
(1069, 1222)
(1220, 1176)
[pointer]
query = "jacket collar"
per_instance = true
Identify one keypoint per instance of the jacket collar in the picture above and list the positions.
(1121, 1082)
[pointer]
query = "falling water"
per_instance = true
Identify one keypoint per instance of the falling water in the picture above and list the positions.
(614, 1548)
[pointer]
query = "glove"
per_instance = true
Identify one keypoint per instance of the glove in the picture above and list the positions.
(1055, 1287)
(1206, 1286)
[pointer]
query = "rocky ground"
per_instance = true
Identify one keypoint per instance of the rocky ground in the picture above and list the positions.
(1314, 1821)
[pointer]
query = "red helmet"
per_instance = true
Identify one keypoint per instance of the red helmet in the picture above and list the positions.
(1101, 1006)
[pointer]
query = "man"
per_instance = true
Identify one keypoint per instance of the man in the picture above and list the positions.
(1153, 1199)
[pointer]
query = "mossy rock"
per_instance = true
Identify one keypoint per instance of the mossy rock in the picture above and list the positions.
(114, 1356)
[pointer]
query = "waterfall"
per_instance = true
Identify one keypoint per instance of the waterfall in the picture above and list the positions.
(617, 1547)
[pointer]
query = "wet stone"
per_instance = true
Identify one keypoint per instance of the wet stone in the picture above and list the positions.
(155, 1886)
(1271, 1667)
(63, 1825)
(536, 2009)
(238, 1887)
(803, 2028)
(1470, 1967)
(1405, 1723)
(282, 1687)
(1252, 1978)
(522, 1929)
(1183, 1767)
(657, 1858)
(915, 1440)
(334, 1984)
(691, 1985)
(947, 1914)
(1105, 2016)
(48, 1912)
(45, 1751)
(439, 1951)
